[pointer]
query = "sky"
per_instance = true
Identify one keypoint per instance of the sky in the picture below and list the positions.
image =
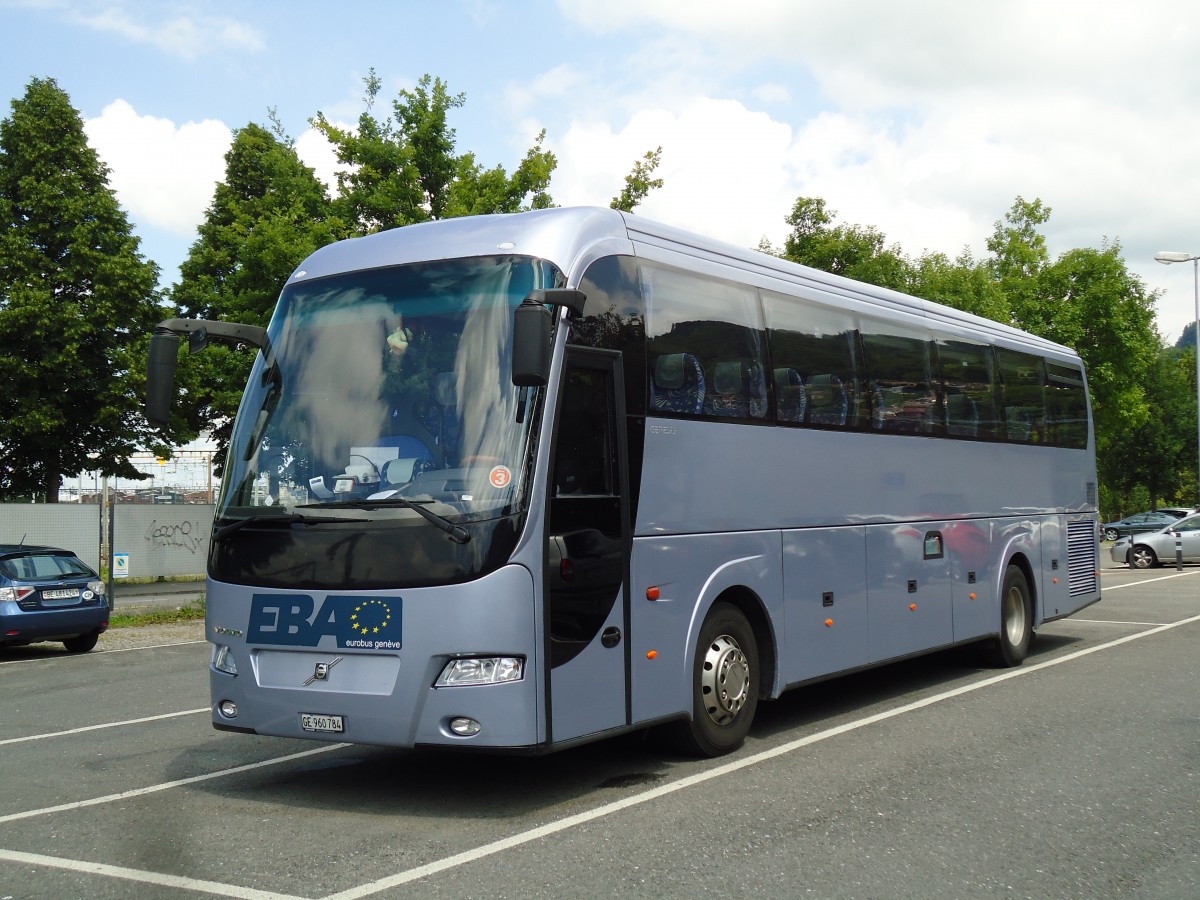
(924, 119)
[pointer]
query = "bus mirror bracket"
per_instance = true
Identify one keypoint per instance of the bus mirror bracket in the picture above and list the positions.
(164, 356)
(532, 328)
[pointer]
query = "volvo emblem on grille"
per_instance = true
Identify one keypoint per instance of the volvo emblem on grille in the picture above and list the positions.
(321, 670)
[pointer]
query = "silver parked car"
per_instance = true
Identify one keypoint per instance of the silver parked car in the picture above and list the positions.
(1148, 549)
(1147, 521)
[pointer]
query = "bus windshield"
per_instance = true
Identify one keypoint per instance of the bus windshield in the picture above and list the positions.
(384, 389)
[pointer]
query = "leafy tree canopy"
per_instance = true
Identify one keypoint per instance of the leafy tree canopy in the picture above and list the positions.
(268, 214)
(1086, 299)
(77, 304)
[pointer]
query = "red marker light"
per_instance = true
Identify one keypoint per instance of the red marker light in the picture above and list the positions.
(653, 593)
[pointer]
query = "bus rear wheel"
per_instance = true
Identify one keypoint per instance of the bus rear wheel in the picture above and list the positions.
(1010, 647)
(725, 678)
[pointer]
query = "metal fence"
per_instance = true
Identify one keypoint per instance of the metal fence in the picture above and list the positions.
(69, 525)
(157, 539)
(163, 539)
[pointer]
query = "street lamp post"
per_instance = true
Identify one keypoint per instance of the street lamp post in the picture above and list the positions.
(1167, 257)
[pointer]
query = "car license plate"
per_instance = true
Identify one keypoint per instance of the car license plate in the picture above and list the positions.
(60, 594)
(313, 722)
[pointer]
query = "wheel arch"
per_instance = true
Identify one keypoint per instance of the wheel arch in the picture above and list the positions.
(751, 605)
(1021, 561)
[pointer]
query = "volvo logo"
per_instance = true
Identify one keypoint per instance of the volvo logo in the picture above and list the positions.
(321, 670)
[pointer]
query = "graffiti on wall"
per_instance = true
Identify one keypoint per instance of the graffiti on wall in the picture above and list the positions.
(187, 535)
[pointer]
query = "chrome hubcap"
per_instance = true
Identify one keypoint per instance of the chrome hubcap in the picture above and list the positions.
(724, 680)
(1014, 615)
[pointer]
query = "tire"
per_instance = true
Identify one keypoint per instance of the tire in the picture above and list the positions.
(725, 680)
(1142, 557)
(81, 644)
(1111, 534)
(1010, 647)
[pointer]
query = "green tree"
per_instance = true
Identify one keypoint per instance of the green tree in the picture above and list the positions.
(1157, 458)
(963, 283)
(638, 183)
(268, 214)
(1187, 337)
(402, 168)
(850, 250)
(77, 305)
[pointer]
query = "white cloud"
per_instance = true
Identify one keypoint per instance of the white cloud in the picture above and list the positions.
(162, 173)
(724, 167)
(318, 154)
(188, 36)
(930, 118)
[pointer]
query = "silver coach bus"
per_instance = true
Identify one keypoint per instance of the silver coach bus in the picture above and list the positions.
(518, 482)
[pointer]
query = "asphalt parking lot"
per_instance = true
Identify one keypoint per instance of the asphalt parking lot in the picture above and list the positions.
(1074, 775)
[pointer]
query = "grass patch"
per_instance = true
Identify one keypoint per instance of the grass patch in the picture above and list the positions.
(190, 612)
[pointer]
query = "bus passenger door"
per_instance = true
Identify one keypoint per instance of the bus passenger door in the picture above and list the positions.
(587, 551)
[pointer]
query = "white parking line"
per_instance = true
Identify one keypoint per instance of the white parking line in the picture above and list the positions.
(516, 840)
(460, 859)
(1114, 622)
(169, 881)
(1121, 587)
(54, 734)
(166, 785)
(81, 656)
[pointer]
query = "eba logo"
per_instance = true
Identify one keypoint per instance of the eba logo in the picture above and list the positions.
(294, 620)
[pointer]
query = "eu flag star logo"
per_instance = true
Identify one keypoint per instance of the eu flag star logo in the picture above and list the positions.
(370, 617)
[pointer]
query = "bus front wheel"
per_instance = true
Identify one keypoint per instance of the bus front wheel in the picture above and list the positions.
(1011, 645)
(725, 678)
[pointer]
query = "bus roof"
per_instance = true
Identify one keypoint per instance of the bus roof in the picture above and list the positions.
(573, 237)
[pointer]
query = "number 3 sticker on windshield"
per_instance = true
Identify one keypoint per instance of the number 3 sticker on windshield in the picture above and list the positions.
(500, 476)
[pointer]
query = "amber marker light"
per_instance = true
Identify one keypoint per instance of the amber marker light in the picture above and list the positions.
(972, 596)
(829, 623)
(653, 593)
(913, 607)
(651, 654)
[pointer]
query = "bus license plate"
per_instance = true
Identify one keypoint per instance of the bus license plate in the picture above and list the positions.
(330, 724)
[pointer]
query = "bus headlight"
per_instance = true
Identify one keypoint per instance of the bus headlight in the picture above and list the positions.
(481, 670)
(222, 659)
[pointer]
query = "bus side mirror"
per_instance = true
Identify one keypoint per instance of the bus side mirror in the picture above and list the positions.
(532, 324)
(160, 376)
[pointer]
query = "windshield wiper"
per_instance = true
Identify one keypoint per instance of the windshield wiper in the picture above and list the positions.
(276, 519)
(454, 531)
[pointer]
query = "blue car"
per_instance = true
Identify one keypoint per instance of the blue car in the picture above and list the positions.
(48, 594)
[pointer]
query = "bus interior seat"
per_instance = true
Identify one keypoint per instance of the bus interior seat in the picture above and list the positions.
(397, 448)
(736, 392)
(828, 404)
(678, 384)
(396, 472)
(443, 389)
(791, 400)
(1020, 426)
(962, 415)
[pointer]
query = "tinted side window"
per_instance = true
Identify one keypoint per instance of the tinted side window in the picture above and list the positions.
(705, 346)
(1022, 377)
(970, 400)
(614, 318)
(1066, 407)
(814, 355)
(900, 371)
